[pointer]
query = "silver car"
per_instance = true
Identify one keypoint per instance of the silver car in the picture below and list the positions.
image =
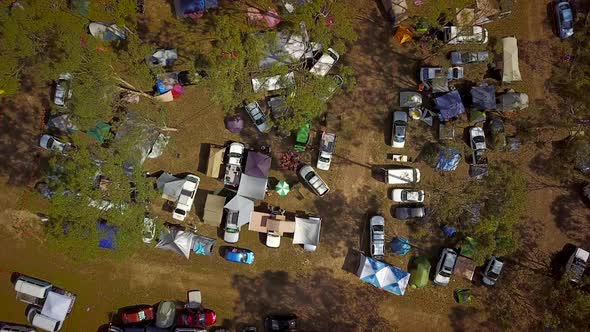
(377, 228)
(492, 271)
(398, 134)
(316, 183)
(63, 90)
(257, 115)
(232, 230)
(445, 267)
(51, 143)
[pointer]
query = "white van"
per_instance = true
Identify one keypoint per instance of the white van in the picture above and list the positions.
(406, 175)
(37, 319)
(31, 290)
(325, 63)
(9, 327)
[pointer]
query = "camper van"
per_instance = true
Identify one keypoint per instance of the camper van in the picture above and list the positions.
(31, 290)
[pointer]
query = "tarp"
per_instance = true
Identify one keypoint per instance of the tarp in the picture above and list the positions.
(163, 57)
(476, 116)
(449, 105)
(269, 19)
(158, 147)
(419, 272)
(193, 8)
(252, 187)
(448, 159)
(449, 230)
(510, 70)
(463, 296)
(400, 246)
(257, 165)
(243, 205)
(215, 161)
(99, 132)
(307, 231)
(403, 34)
(384, 276)
(63, 123)
(396, 10)
(56, 306)
(213, 210)
(234, 124)
(203, 245)
(107, 235)
(170, 186)
(176, 240)
(106, 31)
(410, 99)
(484, 96)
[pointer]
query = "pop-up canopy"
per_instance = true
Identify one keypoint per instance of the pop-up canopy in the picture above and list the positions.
(384, 276)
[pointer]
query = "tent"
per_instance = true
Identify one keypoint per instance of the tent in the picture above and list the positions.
(463, 295)
(448, 159)
(99, 132)
(243, 205)
(63, 123)
(193, 8)
(400, 246)
(252, 187)
(410, 99)
(403, 34)
(163, 57)
(234, 124)
(106, 31)
(257, 165)
(307, 232)
(57, 306)
(484, 96)
(468, 247)
(419, 272)
(477, 116)
(449, 105)
(170, 186)
(511, 100)
(176, 240)
(384, 276)
(213, 210)
(203, 245)
(107, 235)
(510, 70)
(269, 19)
(439, 84)
(396, 10)
(215, 160)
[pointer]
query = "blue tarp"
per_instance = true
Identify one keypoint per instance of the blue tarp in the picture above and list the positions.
(400, 246)
(484, 96)
(188, 7)
(384, 276)
(449, 230)
(448, 159)
(449, 105)
(107, 235)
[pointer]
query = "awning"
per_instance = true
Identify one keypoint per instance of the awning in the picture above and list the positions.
(213, 210)
(252, 187)
(307, 231)
(244, 206)
(257, 165)
(215, 161)
(510, 70)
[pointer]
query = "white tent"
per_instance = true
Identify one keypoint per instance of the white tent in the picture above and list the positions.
(384, 276)
(510, 70)
(307, 232)
(252, 187)
(176, 240)
(56, 306)
(244, 206)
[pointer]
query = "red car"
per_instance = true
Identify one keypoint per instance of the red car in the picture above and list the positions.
(192, 318)
(138, 314)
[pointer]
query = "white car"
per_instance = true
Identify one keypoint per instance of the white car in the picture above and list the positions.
(445, 267)
(404, 175)
(273, 240)
(477, 138)
(257, 115)
(377, 228)
(398, 132)
(465, 35)
(492, 271)
(232, 231)
(187, 197)
(407, 196)
(325, 63)
(327, 146)
(576, 265)
(316, 183)
(233, 168)
(63, 90)
(51, 143)
(430, 73)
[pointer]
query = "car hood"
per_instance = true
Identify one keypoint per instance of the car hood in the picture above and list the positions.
(441, 280)
(231, 237)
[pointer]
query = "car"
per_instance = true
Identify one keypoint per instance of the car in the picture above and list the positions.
(53, 144)
(325, 63)
(477, 142)
(409, 212)
(445, 267)
(430, 73)
(63, 90)
(273, 240)
(466, 58)
(327, 147)
(576, 265)
(377, 227)
(317, 184)
(398, 131)
(257, 115)
(232, 231)
(286, 322)
(407, 195)
(148, 232)
(492, 271)
(564, 19)
(498, 133)
(465, 35)
(196, 318)
(403, 175)
(187, 197)
(137, 314)
(238, 255)
(233, 167)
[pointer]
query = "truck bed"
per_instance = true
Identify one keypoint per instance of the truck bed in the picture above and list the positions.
(232, 175)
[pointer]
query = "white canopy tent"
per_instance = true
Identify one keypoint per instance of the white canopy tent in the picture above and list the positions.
(176, 240)
(307, 232)
(252, 187)
(57, 306)
(510, 70)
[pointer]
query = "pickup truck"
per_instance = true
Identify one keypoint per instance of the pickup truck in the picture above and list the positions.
(327, 146)
(312, 179)
(233, 168)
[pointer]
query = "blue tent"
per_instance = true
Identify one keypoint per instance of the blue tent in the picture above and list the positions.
(194, 7)
(449, 105)
(484, 96)
(400, 246)
(448, 159)
(107, 235)
(449, 230)
(384, 276)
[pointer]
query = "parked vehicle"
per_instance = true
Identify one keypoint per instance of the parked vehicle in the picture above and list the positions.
(477, 142)
(196, 318)
(465, 35)
(51, 143)
(257, 115)
(576, 265)
(313, 180)
(409, 212)
(335, 83)
(398, 131)
(137, 314)
(280, 322)
(302, 137)
(327, 147)
(430, 73)
(232, 231)
(63, 90)
(187, 197)
(564, 19)
(492, 271)
(466, 58)
(148, 232)
(41, 321)
(498, 133)
(404, 175)
(11, 327)
(445, 267)
(239, 255)
(377, 227)
(407, 195)
(273, 240)
(233, 168)
(325, 63)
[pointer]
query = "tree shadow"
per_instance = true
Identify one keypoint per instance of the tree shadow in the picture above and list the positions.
(571, 215)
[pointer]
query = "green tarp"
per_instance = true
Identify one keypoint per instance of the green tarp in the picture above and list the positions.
(99, 132)
(463, 296)
(302, 137)
(419, 272)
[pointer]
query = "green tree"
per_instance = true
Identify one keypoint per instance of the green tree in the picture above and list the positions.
(567, 308)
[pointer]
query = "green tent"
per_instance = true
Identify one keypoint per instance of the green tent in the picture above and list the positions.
(463, 295)
(99, 132)
(419, 272)
(476, 116)
(302, 137)
(468, 247)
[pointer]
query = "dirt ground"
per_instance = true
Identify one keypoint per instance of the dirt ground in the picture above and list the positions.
(321, 287)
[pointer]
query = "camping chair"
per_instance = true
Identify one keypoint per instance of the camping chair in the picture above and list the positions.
(193, 299)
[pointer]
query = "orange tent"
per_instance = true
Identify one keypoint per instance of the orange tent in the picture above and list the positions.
(403, 34)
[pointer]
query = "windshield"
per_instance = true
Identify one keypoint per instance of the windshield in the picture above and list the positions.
(400, 132)
(445, 273)
(179, 211)
(324, 160)
(378, 228)
(243, 257)
(479, 139)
